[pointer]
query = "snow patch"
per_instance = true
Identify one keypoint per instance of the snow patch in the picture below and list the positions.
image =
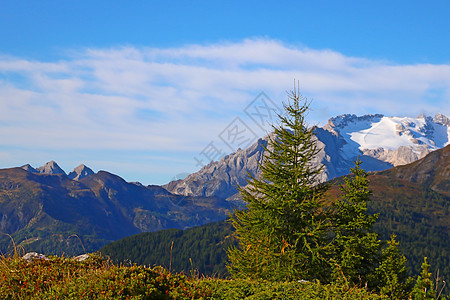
(390, 133)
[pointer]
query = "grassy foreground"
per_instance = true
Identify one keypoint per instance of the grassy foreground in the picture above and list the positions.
(97, 278)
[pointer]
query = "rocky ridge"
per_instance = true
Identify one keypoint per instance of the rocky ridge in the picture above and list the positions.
(52, 168)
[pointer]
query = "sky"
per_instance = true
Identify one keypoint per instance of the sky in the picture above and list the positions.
(153, 90)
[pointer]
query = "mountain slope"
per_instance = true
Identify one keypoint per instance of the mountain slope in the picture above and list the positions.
(39, 209)
(43, 212)
(433, 171)
(380, 142)
(415, 210)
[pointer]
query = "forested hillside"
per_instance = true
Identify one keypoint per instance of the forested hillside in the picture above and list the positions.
(200, 249)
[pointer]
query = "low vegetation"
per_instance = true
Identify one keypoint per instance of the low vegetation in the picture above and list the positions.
(97, 278)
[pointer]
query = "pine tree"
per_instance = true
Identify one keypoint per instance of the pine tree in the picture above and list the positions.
(356, 247)
(282, 233)
(424, 288)
(391, 274)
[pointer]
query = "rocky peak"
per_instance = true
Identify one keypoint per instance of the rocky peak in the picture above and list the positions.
(50, 168)
(442, 119)
(421, 116)
(29, 168)
(343, 120)
(220, 178)
(80, 172)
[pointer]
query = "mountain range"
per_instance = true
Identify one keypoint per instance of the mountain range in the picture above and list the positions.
(52, 168)
(46, 210)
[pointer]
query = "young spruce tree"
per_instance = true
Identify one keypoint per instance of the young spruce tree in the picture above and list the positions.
(356, 247)
(392, 274)
(424, 288)
(283, 232)
(357, 256)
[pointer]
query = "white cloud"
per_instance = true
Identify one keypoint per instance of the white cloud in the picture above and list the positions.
(179, 99)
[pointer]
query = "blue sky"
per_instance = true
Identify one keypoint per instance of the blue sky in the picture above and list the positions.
(147, 89)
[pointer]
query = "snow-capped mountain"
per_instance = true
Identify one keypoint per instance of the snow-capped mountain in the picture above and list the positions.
(379, 136)
(380, 142)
